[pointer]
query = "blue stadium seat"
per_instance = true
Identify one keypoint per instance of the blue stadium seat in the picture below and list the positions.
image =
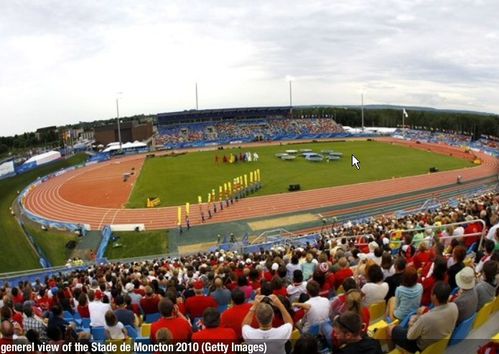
(462, 330)
(152, 317)
(132, 332)
(98, 333)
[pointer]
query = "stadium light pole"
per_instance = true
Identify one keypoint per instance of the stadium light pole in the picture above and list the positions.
(362, 109)
(118, 117)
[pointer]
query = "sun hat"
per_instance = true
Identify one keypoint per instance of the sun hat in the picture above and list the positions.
(465, 279)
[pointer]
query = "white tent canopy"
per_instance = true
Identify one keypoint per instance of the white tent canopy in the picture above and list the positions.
(116, 146)
(45, 157)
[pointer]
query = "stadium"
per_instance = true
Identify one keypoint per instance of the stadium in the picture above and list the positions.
(226, 209)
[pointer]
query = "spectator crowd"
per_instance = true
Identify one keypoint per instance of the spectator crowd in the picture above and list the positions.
(427, 275)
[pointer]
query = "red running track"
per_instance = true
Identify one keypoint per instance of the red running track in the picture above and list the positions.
(95, 195)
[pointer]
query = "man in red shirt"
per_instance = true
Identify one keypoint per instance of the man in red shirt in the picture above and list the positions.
(213, 333)
(149, 303)
(233, 317)
(195, 305)
(343, 273)
(173, 320)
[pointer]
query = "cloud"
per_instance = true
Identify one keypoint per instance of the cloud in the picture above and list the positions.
(64, 61)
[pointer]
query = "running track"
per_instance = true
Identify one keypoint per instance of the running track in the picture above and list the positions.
(95, 195)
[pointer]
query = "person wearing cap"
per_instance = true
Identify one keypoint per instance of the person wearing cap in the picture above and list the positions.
(429, 327)
(130, 290)
(97, 309)
(349, 336)
(195, 305)
(467, 299)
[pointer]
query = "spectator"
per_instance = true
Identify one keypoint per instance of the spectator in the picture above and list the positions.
(407, 296)
(34, 323)
(82, 307)
(212, 331)
(274, 338)
(298, 286)
(458, 255)
(7, 331)
(114, 328)
(292, 266)
(123, 314)
(467, 299)
(173, 320)
(428, 328)
(338, 305)
(349, 338)
(97, 309)
(309, 266)
(149, 303)
(306, 344)
(394, 280)
(195, 305)
(487, 288)
(343, 273)
(233, 317)
(316, 308)
(375, 289)
(221, 294)
(438, 273)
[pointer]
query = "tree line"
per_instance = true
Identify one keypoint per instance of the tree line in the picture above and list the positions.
(472, 124)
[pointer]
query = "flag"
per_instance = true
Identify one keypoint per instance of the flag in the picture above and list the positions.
(251, 177)
(187, 209)
(229, 184)
(405, 113)
(200, 200)
(245, 181)
(179, 216)
(209, 198)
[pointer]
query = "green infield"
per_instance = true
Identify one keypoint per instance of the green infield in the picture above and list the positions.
(180, 179)
(11, 235)
(137, 244)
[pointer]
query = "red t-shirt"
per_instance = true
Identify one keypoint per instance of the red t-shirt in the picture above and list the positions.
(149, 304)
(5, 341)
(195, 305)
(216, 335)
(83, 311)
(341, 275)
(180, 328)
(281, 291)
(233, 318)
(421, 258)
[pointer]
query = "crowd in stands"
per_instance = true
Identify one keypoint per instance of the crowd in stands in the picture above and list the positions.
(425, 273)
(252, 129)
(486, 144)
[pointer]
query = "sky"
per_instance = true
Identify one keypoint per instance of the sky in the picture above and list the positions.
(63, 62)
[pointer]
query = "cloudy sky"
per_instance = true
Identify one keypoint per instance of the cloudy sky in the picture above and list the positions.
(64, 61)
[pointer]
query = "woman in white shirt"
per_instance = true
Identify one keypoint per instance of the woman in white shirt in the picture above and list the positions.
(114, 328)
(375, 289)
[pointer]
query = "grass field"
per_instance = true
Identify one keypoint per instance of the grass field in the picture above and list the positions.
(180, 179)
(52, 242)
(18, 254)
(136, 244)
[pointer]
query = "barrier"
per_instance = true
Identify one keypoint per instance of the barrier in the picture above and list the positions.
(106, 236)
(127, 227)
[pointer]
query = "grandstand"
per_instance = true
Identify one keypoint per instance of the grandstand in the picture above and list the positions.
(225, 126)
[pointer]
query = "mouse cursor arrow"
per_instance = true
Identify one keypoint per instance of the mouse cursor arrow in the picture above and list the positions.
(355, 162)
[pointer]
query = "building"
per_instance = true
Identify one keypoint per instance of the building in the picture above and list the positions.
(130, 131)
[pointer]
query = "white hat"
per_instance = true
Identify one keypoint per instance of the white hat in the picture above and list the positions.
(465, 279)
(275, 266)
(129, 287)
